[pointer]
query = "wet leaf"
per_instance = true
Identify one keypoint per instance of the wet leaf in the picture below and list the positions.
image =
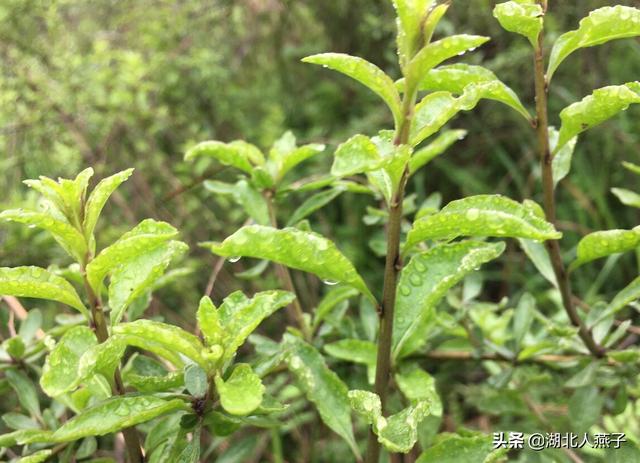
(455, 77)
(64, 233)
(168, 341)
(451, 448)
(630, 293)
(60, 371)
(239, 316)
(322, 387)
(238, 154)
(438, 146)
(399, 432)
(114, 414)
(36, 457)
(242, 392)
(604, 243)
(521, 18)
(411, 15)
(143, 238)
(97, 200)
(438, 108)
(418, 385)
(366, 73)
(436, 52)
(294, 248)
(425, 281)
(356, 155)
(137, 275)
(38, 283)
(285, 155)
(594, 109)
(601, 26)
(482, 215)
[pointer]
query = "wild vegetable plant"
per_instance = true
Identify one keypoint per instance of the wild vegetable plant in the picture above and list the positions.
(185, 389)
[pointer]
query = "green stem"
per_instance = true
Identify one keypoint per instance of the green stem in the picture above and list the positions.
(295, 309)
(131, 439)
(546, 162)
(393, 265)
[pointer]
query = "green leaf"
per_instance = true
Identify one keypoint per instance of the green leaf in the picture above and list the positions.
(366, 73)
(64, 233)
(60, 371)
(209, 321)
(436, 109)
(238, 154)
(285, 155)
(523, 317)
(242, 392)
(39, 283)
(165, 340)
(67, 196)
(246, 196)
(425, 281)
(601, 26)
(482, 215)
(604, 243)
(438, 146)
(630, 293)
(240, 316)
(294, 248)
(356, 155)
(313, 204)
(97, 200)
(322, 387)
(561, 163)
(437, 52)
(411, 16)
(136, 276)
(594, 109)
(627, 197)
(452, 448)
(195, 380)
(114, 414)
(36, 457)
(539, 256)
(143, 238)
(455, 77)
(330, 300)
(585, 408)
(101, 358)
(399, 432)
(521, 18)
(353, 350)
(24, 389)
(418, 385)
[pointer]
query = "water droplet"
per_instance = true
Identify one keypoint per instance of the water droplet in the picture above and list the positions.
(420, 267)
(405, 290)
(330, 282)
(415, 280)
(31, 226)
(234, 259)
(473, 214)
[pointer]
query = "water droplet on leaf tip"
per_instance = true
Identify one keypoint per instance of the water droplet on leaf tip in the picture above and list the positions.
(330, 282)
(234, 259)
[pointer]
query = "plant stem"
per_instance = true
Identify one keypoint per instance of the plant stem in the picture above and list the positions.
(131, 439)
(393, 265)
(546, 159)
(295, 309)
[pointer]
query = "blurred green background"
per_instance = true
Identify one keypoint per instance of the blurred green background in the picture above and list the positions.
(134, 83)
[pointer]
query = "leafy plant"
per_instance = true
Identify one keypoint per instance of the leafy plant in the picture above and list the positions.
(111, 369)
